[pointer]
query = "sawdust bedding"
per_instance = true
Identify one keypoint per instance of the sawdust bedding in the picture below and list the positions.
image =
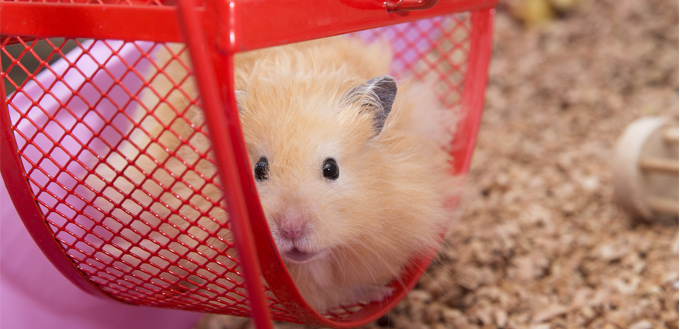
(539, 241)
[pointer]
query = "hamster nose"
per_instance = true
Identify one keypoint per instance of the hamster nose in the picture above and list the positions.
(292, 233)
(292, 225)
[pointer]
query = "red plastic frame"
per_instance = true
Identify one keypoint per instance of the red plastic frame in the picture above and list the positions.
(223, 24)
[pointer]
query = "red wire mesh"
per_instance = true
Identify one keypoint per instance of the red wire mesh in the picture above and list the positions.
(130, 200)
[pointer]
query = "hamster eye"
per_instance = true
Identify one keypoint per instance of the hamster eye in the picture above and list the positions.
(261, 169)
(331, 169)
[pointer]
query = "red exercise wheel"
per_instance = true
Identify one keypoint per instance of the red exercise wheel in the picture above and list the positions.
(69, 88)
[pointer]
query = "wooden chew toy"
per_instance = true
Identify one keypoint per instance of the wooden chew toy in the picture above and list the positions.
(646, 168)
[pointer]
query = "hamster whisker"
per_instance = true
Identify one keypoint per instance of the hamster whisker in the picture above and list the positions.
(380, 258)
(377, 256)
(340, 264)
(363, 261)
(437, 263)
(395, 273)
(398, 279)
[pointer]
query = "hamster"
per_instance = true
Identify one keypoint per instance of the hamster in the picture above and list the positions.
(351, 166)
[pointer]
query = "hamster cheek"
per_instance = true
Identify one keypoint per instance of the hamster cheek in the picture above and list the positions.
(335, 206)
(269, 203)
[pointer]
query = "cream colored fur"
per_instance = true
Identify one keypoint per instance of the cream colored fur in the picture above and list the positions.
(389, 202)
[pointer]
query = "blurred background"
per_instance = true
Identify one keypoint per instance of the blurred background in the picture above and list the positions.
(540, 241)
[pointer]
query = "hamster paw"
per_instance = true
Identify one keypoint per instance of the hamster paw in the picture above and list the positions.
(371, 293)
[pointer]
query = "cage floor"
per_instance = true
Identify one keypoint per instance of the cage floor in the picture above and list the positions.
(560, 254)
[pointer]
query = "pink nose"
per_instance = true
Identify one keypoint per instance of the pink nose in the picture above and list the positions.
(292, 233)
(292, 225)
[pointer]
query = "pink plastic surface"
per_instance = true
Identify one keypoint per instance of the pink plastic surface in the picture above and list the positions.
(33, 294)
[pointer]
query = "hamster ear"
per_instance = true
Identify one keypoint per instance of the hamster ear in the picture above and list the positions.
(240, 95)
(375, 95)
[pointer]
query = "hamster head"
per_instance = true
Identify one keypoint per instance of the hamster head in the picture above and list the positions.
(350, 192)
(309, 143)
